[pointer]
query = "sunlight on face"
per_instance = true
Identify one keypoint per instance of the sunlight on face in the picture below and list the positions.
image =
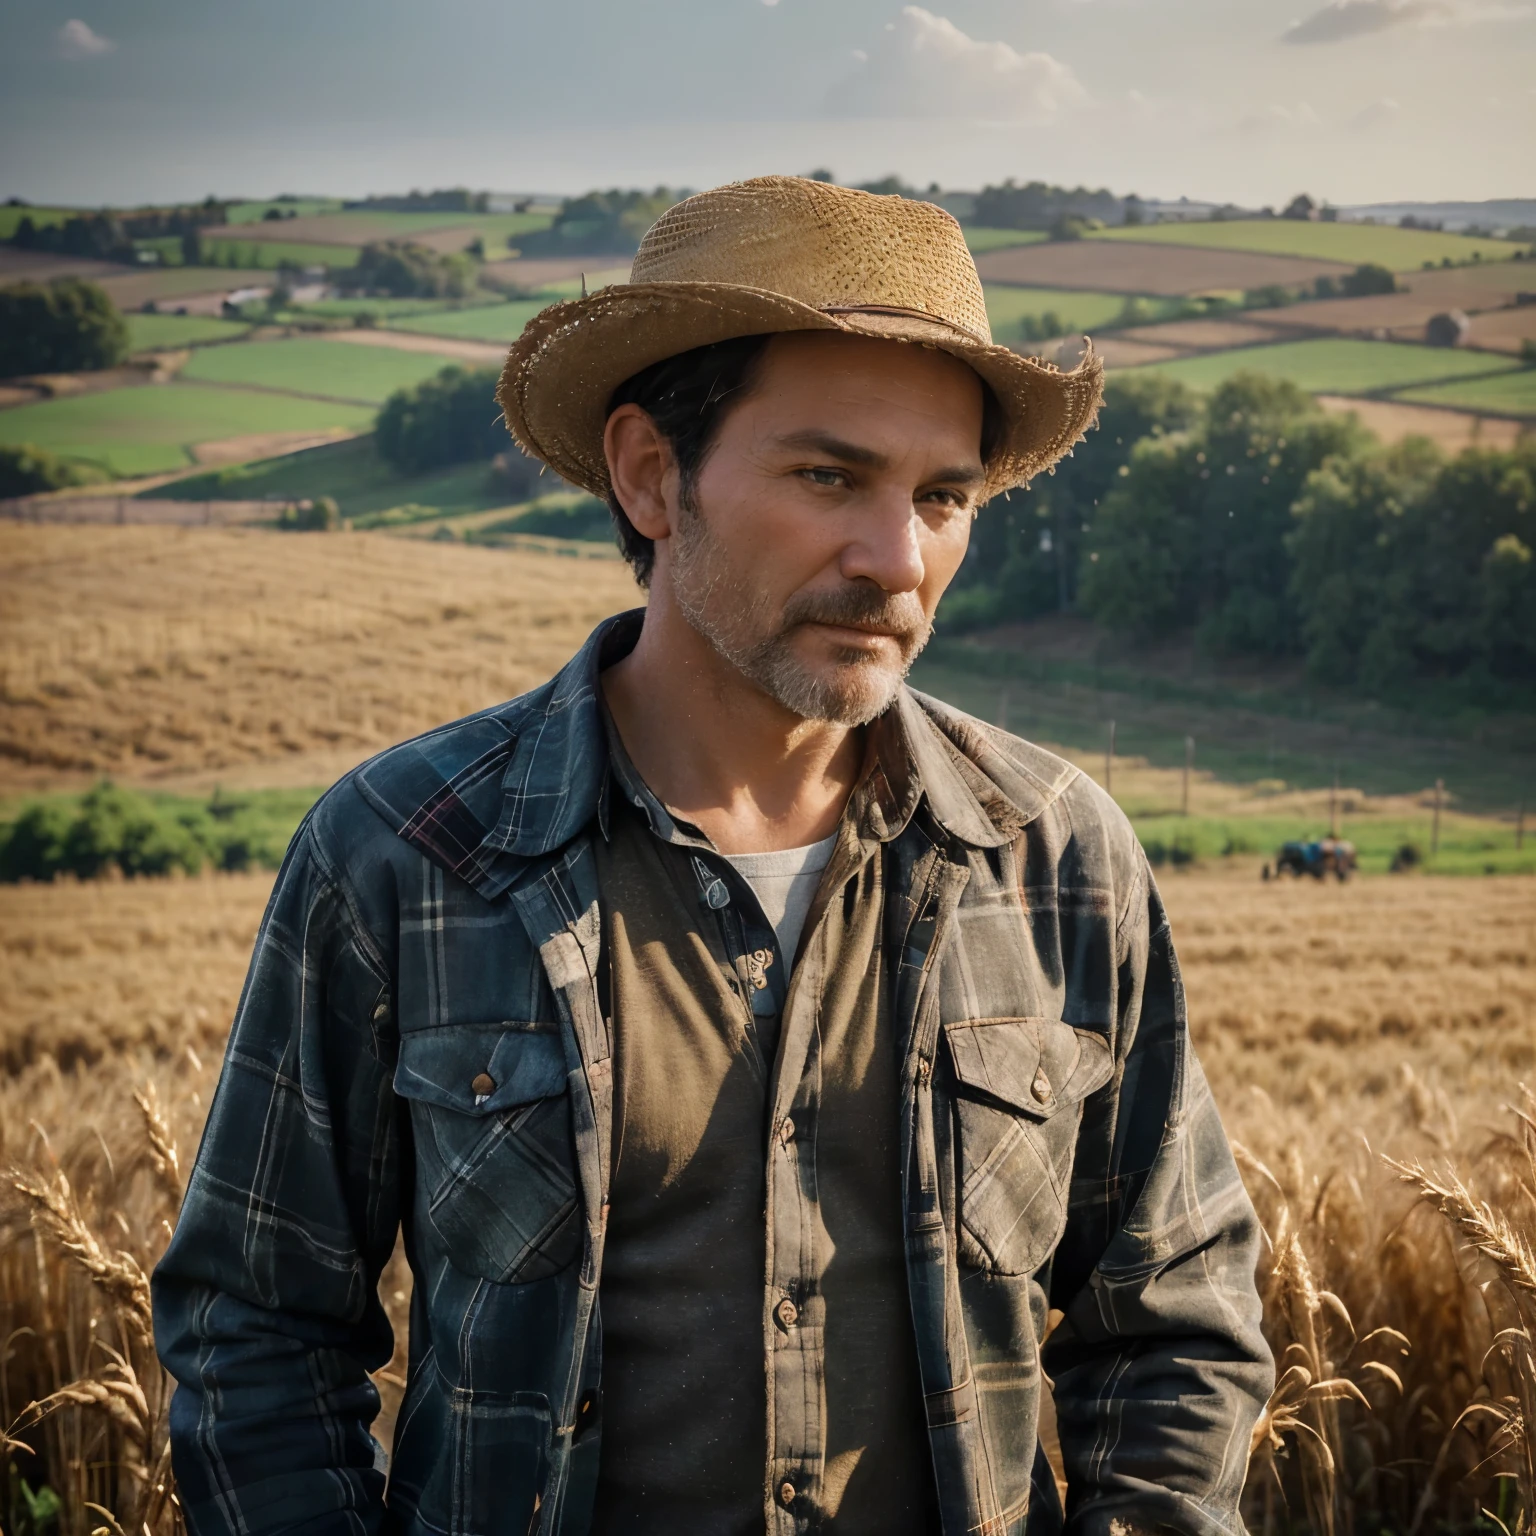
(828, 518)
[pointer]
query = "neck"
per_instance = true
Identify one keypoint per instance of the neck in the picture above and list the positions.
(719, 752)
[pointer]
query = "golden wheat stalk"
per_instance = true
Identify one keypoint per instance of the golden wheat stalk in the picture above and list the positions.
(162, 1144)
(1489, 1232)
(56, 1213)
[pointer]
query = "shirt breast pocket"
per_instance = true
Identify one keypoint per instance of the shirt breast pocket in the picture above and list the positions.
(1018, 1102)
(495, 1149)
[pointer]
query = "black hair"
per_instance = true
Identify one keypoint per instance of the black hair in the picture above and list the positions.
(688, 396)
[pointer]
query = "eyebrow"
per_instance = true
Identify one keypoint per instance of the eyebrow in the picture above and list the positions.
(869, 458)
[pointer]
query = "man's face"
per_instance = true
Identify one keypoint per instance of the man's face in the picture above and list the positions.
(830, 514)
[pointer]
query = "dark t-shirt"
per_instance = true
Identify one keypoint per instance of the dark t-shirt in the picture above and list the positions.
(688, 1321)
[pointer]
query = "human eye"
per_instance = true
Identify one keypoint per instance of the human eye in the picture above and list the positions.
(830, 478)
(947, 498)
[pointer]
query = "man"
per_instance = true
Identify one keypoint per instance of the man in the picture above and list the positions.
(757, 1057)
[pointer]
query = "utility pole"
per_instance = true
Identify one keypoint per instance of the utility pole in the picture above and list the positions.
(1434, 834)
(1109, 762)
(1002, 710)
(1189, 763)
(1520, 826)
(1333, 806)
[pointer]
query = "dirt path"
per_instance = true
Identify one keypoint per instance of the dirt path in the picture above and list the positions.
(410, 341)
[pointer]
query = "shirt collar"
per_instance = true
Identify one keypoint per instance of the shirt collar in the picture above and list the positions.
(557, 779)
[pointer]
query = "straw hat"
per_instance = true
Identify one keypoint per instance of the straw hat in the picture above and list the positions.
(782, 254)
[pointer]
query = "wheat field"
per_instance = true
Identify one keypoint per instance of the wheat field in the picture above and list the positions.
(176, 656)
(1368, 1044)
(1336, 1024)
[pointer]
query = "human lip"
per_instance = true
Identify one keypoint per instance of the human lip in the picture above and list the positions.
(856, 632)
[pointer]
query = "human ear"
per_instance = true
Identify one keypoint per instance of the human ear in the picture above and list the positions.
(641, 469)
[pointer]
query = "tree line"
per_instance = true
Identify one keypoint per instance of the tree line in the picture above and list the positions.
(1261, 525)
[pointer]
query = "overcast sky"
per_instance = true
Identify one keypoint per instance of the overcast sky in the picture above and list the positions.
(1248, 100)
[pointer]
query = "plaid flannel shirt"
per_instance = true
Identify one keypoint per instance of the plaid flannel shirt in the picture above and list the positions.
(421, 1047)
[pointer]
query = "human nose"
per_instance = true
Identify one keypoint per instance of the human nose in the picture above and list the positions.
(886, 549)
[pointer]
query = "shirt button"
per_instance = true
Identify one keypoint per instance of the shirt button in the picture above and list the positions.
(483, 1086)
(381, 1012)
(1041, 1087)
(787, 1313)
(786, 1494)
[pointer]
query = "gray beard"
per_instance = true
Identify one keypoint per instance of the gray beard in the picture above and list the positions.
(739, 623)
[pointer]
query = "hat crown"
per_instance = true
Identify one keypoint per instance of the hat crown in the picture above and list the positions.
(830, 247)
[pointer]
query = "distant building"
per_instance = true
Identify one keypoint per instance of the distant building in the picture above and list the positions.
(1448, 329)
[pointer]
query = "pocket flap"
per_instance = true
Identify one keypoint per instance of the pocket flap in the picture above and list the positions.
(480, 1069)
(1033, 1065)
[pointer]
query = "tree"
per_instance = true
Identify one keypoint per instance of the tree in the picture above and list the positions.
(66, 326)
(405, 270)
(1026, 548)
(1408, 565)
(601, 223)
(1038, 205)
(1194, 534)
(451, 418)
(1300, 207)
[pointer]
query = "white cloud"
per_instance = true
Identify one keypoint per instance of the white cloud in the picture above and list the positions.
(1278, 119)
(924, 66)
(77, 40)
(1341, 19)
(1377, 114)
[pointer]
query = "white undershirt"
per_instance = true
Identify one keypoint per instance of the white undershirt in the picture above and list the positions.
(785, 883)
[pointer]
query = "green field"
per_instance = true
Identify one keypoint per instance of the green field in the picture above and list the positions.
(571, 287)
(1078, 310)
(1247, 728)
(1510, 394)
(1402, 250)
(1334, 365)
(493, 322)
(362, 483)
(156, 333)
(336, 370)
(166, 248)
(11, 217)
(980, 238)
(380, 309)
(253, 213)
(278, 253)
(150, 429)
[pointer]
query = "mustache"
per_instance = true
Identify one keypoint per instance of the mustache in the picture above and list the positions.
(860, 605)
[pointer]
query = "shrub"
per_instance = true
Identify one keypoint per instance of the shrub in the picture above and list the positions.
(114, 829)
(29, 471)
(317, 516)
(1366, 280)
(66, 326)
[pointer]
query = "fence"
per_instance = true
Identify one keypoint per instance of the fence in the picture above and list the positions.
(131, 509)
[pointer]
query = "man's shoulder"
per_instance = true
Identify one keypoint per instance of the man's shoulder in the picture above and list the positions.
(439, 793)
(1041, 786)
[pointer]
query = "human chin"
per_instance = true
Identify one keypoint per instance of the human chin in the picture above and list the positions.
(850, 686)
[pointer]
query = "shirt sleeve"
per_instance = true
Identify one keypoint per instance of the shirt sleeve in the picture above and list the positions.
(266, 1302)
(1159, 1364)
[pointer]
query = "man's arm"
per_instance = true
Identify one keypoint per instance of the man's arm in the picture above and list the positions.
(266, 1302)
(1159, 1365)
